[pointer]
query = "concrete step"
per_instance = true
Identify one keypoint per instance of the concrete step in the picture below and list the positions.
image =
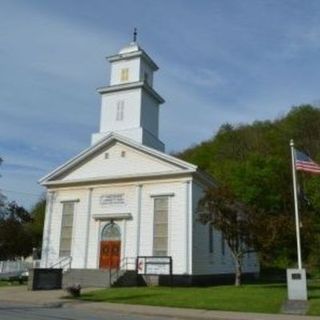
(99, 278)
(86, 278)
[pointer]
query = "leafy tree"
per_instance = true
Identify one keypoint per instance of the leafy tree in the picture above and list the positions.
(3, 198)
(20, 231)
(253, 160)
(37, 214)
(220, 208)
(15, 240)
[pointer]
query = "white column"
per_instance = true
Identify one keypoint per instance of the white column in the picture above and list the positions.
(188, 227)
(87, 235)
(124, 239)
(47, 228)
(98, 226)
(138, 229)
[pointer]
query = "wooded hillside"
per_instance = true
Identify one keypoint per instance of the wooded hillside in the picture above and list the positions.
(253, 160)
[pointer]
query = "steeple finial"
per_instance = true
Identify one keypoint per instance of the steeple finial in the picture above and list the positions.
(135, 33)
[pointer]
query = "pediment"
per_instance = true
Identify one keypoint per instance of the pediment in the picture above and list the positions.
(116, 158)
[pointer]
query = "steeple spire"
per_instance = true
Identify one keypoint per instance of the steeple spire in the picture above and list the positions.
(135, 34)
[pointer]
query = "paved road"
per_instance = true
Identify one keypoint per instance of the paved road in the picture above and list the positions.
(9, 311)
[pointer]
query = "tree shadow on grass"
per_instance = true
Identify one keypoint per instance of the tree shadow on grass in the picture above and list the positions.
(314, 293)
(275, 286)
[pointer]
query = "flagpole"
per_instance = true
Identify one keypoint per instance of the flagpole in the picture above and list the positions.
(296, 207)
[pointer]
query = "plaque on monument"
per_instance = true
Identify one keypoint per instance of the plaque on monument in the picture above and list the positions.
(296, 276)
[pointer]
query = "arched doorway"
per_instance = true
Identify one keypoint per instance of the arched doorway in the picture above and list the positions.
(110, 245)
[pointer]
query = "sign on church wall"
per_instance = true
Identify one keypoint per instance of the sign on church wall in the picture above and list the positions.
(112, 199)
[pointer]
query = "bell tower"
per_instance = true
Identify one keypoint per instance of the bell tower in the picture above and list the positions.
(130, 105)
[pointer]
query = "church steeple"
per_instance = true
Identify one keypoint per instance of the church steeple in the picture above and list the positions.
(130, 105)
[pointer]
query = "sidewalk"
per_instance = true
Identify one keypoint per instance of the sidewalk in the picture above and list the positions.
(54, 298)
(20, 294)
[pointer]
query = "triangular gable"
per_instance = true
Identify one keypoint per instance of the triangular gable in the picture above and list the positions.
(116, 156)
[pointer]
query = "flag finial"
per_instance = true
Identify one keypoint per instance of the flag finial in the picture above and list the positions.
(291, 143)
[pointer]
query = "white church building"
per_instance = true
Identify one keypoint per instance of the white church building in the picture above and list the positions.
(123, 197)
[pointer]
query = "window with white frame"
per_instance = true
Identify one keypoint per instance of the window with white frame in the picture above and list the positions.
(66, 229)
(120, 110)
(160, 226)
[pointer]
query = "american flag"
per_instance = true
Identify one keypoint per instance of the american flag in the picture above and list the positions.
(305, 163)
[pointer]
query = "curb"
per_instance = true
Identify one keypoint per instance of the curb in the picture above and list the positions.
(56, 304)
(180, 313)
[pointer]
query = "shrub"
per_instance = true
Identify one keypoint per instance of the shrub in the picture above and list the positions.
(74, 290)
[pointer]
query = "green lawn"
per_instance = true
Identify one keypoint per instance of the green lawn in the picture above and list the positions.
(251, 298)
(265, 298)
(6, 283)
(314, 297)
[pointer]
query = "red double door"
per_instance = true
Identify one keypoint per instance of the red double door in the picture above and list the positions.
(110, 254)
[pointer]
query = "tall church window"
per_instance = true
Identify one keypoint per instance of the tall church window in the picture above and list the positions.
(210, 238)
(66, 229)
(223, 244)
(124, 74)
(120, 110)
(160, 226)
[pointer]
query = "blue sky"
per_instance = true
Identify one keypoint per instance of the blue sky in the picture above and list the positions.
(220, 61)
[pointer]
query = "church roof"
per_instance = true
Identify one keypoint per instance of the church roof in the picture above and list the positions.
(133, 50)
(182, 166)
(132, 47)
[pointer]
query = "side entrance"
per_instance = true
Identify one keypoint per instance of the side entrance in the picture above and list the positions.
(110, 247)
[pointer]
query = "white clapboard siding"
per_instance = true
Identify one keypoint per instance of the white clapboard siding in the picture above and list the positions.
(205, 262)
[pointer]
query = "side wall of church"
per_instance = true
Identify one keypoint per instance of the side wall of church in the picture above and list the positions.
(218, 258)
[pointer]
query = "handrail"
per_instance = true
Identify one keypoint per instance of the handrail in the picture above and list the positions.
(61, 264)
(123, 265)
